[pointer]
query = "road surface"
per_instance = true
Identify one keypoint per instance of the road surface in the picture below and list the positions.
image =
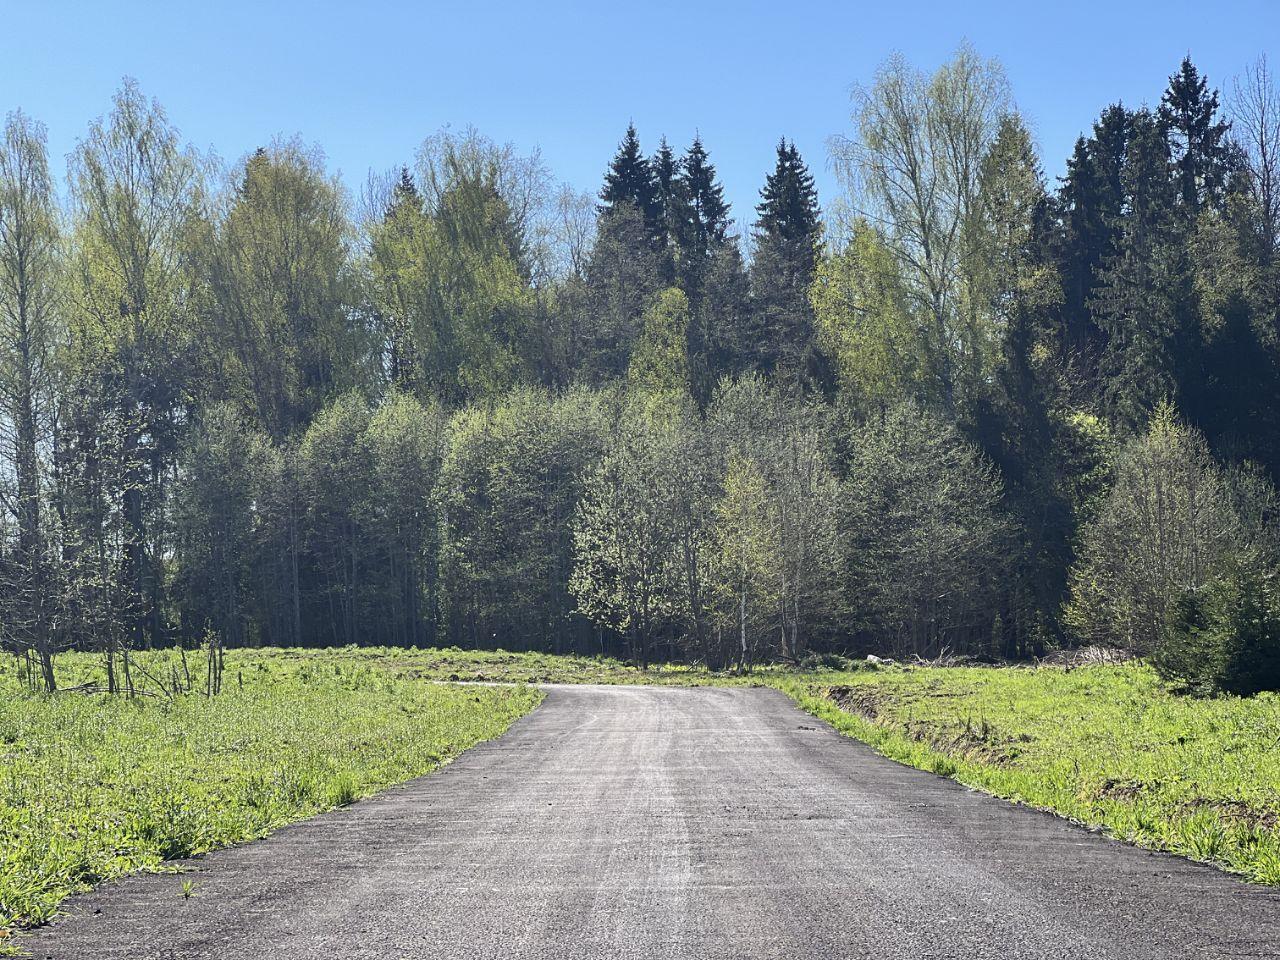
(633, 822)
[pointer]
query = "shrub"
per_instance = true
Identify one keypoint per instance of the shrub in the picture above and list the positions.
(813, 662)
(1224, 636)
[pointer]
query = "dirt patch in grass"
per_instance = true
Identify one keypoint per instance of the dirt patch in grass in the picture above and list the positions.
(1122, 791)
(865, 703)
(970, 740)
(1236, 813)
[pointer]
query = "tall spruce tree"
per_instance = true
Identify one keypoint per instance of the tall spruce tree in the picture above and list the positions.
(712, 271)
(1141, 303)
(787, 237)
(625, 270)
(668, 211)
(405, 191)
(1089, 205)
(1198, 138)
(1201, 161)
(708, 212)
(1018, 429)
(630, 178)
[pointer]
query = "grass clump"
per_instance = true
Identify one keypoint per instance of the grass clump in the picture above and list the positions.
(92, 786)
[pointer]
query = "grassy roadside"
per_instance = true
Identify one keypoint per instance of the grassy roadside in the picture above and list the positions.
(92, 787)
(1106, 746)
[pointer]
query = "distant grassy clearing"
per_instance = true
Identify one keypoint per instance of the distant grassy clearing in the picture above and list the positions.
(92, 787)
(495, 666)
(1107, 746)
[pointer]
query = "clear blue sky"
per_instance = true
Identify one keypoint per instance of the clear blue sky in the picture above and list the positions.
(368, 81)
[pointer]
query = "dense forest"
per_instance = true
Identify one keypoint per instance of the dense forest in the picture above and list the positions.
(959, 410)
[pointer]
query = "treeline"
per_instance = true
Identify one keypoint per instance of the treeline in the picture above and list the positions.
(962, 411)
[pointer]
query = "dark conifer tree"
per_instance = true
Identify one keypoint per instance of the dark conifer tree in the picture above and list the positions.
(1198, 138)
(705, 222)
(1145, 296)
(712, 271)
(405, 190)
(626, 269)
(788, 209)
(722, 313)
(787, 236)
(1012, 416)
(1090, 203)
(708, 211)
(1217, 347)
(630, 178)
(668, 210)
(1234, 402)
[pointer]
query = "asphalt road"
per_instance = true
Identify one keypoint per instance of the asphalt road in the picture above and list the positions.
(628, 822)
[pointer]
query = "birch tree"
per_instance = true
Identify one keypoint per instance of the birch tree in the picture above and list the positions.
(29, 336)
(135, 191)
(749, 582)
(914, 169)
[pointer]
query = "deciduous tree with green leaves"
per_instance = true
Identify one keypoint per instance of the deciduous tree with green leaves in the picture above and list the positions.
(282, 319)
(30, 335)
(135, 190)
(660, 363)
(626, 565)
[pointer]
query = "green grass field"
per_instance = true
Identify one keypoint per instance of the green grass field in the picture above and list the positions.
(1107, 746)
(495, 666)
(92, 787)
